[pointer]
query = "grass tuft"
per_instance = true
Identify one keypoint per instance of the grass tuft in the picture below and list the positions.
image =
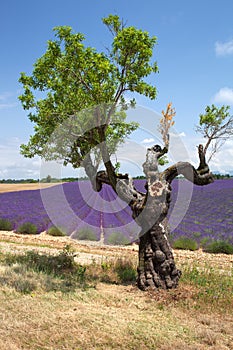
(125, 270)
(117, 238)
(56, 231)
(5, 225)
(218, 247)
(213, 287)
(86, 234)
(27, 228)
(41, 292)
(62, 267)
(185, 243)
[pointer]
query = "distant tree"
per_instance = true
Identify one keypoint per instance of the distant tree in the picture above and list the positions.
(48, 178)
(83, 91)
(216, 125)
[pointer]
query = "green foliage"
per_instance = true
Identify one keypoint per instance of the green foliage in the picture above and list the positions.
(204, 242)
(219, 247)
(125, 270)
(58, 265)
(185, 243)
(18, 181)
(5, 225)
(74, 78)
(214, 287)
(48, 179)
(117, 238)
(163, 160)
(27, 228)
(216, 125)
(214, 116)
(194, 275)
(106, 265)
(56, 231)
(86, 234)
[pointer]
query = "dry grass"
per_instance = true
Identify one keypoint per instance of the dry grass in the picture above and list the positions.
(108, 315)
(27, 186)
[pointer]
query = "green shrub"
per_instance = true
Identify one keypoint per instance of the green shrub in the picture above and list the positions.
(86, 234)
(50, 264)
(117, 238)
(219, 247)
(27, 228)
(185, 243)
(204, 242)
(56, 231)
(125, 270)
(5, 225)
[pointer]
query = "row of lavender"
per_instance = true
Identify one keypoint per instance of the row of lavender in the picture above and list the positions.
(209, 215)
(200, 213)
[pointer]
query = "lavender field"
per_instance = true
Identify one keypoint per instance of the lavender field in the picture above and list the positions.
(200, 213)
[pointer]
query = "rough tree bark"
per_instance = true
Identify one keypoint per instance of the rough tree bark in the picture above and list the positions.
(156, 266)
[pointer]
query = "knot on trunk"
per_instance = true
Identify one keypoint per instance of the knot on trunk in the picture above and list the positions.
(160, 256)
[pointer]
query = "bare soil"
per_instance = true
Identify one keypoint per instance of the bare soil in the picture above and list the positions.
(23, 187)
(111, 316)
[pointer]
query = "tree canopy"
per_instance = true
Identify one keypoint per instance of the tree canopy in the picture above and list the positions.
(216, 125)
(70, 78)
(77, 100)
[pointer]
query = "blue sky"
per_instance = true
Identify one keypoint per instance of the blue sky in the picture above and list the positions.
(194, 54)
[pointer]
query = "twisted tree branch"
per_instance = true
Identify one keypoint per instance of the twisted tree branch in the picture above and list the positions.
(200, 176)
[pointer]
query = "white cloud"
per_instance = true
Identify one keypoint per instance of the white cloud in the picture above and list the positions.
(13, 164)
(131, 155)
(224, 95)
(223, 160)
(181, 134)
(224, 49)
(147, 140)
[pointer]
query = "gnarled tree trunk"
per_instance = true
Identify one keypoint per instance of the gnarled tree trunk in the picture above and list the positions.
(156, 267)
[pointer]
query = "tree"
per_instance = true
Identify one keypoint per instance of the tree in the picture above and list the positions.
(216, 125)
(82, 120)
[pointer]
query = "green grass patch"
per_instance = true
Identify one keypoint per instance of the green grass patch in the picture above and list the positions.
(86, 234)
(212, 286)
(27, 228)
(185, 243)
(117, 238)
(5, 225)
(126, 270)
(56, 231)
(218, 247)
